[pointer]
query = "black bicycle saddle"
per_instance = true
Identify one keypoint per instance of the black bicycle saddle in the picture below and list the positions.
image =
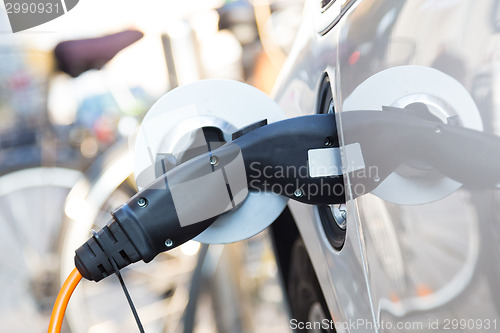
(77, 56)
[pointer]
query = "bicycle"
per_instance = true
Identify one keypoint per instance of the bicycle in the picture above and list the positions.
(40, 164)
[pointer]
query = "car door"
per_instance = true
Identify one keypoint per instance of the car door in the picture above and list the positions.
(416, 253)
(425, 236)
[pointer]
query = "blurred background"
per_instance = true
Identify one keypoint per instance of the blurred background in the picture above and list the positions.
(72, 94)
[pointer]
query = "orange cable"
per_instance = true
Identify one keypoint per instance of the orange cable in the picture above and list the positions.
(62, 300)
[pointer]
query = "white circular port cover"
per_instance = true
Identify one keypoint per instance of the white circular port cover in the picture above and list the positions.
(404, 85)
(167, 130)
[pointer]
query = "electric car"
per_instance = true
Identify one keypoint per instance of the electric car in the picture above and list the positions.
(420, 252)
(411, 244)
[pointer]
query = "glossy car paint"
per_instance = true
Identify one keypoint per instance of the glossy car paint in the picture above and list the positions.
(403, 264)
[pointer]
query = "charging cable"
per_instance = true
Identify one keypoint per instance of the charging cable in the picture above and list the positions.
(186, 200)
(56, 319)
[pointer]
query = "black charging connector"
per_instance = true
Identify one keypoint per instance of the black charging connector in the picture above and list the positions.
(185, 201)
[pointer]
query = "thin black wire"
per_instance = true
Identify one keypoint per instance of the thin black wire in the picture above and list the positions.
(122, 283)
(189, 315)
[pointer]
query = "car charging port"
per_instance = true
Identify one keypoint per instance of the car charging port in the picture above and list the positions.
(333, 217)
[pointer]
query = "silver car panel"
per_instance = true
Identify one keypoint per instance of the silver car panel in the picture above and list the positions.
(404, 268)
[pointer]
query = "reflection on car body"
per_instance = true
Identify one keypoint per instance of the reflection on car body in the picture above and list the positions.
(404, 260)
